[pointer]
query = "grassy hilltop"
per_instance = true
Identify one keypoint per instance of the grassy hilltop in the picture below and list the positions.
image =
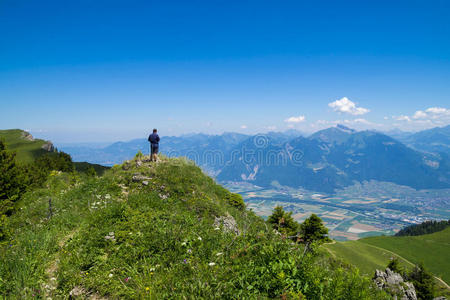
(27, 148)
(158, 230)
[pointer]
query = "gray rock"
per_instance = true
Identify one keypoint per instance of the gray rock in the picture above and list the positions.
(48, 147)
(228, 223)
(139, 178)
(77, 291)
(27, 136)
(138, 163)
(394, 284)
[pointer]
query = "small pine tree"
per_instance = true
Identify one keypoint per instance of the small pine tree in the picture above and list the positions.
(91, 172)
(11, 186)
(283, 222)
(312, 231)
(11, 183)
(394, 265)
(423, 282)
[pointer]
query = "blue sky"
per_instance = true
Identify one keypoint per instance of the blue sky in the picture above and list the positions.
(75, 71)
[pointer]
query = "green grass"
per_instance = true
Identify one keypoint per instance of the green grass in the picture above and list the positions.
(114, 237)
(84, 166)
(431, 249)
(27, 151)
(365, 257)
(373, 253)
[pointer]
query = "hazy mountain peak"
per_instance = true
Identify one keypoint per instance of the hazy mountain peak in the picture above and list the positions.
(345, 128)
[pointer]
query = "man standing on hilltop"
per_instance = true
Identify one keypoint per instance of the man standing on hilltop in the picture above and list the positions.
(154, 145)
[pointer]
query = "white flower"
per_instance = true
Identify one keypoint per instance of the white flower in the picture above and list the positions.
(199, 238)
(212, 264)
(217, 228)
(183, 244)
(219, 254)
(110, 275)
(152, 269)
(107, 196)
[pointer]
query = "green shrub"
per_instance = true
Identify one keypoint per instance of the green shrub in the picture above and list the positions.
(283, 222)
(236, 200)
(423, 282)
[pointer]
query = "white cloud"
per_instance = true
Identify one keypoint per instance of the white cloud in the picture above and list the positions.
(243, 126)
(344, 105)
(419, 115)
(438, 110)
(432, 113)
(362, 121)
(271, 127)
(403, 118)
(298, 119)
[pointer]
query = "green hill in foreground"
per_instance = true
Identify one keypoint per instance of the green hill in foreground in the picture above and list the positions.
(155, 231)
(373, 253)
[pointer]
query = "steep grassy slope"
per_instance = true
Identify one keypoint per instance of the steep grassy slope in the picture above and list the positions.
(374, 253)
(27, 150)
(153, 231)
(433, 249)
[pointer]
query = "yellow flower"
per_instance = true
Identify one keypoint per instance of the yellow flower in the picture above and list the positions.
(147, 289)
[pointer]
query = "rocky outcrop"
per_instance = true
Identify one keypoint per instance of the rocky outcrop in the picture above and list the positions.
(48, 146)
(228, 223)
(141, 178)
(27, 136)
(394, 284)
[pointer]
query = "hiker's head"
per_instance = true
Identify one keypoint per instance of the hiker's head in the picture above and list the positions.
(155, 130)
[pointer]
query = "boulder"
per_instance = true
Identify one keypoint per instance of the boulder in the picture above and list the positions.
(394, 284)
(140, 178)
(228, 223)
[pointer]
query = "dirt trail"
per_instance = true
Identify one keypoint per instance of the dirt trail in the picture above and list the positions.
(51, 271)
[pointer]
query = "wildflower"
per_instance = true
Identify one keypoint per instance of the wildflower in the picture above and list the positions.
(107, 196)
(219, 254)
(110, 275)
(152, 269)
(183, 244)
(189, 251)
(212, 264)
(147, 289)
(199, 238)
(127, 279)
(185, 261)
(217, 228)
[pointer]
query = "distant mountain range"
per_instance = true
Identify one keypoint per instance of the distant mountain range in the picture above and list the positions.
(436, 140)
(324, 161)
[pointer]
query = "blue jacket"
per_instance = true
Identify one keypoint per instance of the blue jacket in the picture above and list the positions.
(154, 139)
